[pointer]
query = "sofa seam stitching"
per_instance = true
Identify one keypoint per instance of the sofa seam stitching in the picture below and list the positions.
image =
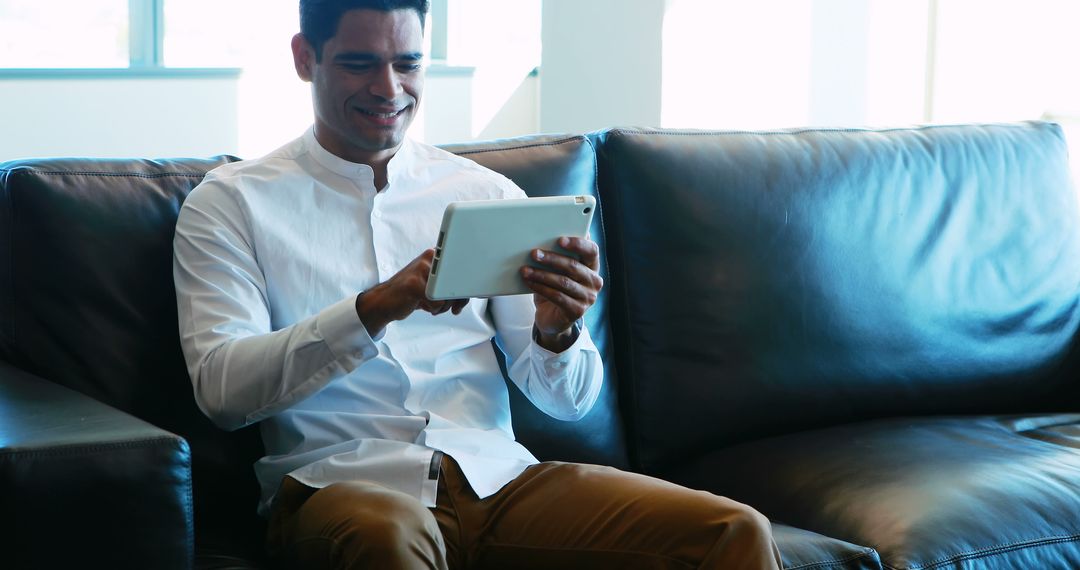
(990, 551)
(532, 145)
(866, 553)
(631, 392)
(10, 197)
(113, 174)
(607, 271)
(77, 449)
(799, 131)
(189, 501)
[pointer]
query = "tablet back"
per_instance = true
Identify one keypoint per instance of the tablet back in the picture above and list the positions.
(484, 243)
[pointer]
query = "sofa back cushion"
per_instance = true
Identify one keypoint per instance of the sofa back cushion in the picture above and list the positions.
(775, 281)
(87, 301)
(554, 165)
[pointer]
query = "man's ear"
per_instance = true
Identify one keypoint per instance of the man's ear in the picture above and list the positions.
(303, 56)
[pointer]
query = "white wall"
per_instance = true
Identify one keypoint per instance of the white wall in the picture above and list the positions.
(114, 117)
(838, 62)
(601, 64)
(519, 115)
(197, 117)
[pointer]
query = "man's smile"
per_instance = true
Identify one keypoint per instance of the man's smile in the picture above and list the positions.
(382, 117)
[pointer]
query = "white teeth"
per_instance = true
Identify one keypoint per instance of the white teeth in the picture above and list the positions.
(380, 115)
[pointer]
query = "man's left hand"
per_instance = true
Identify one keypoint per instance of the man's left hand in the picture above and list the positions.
(563, 290)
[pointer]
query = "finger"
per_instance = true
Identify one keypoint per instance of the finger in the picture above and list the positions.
(571, 308)
(584, 278)
(561, 263)
(562, 284)
(583, 270)
(434, 307)
(587, 250)
(421, 266)
(459, 305)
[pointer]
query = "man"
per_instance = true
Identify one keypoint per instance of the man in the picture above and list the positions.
(300, 280)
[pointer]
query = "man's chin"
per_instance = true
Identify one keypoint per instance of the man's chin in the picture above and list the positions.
(378, 143)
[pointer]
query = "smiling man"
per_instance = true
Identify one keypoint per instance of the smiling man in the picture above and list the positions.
(300, 281)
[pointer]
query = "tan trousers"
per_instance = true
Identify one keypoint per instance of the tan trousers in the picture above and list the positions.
(552, 516)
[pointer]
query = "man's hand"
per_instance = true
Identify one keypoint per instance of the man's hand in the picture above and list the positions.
(397, 297)
(563, 291)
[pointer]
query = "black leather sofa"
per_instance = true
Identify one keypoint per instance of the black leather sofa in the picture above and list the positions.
(869, 335)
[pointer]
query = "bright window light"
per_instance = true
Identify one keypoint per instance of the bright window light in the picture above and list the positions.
(501, 40)
(896, 60)
(733, 64)
(999, 60)
(63, 33)
(212, 33)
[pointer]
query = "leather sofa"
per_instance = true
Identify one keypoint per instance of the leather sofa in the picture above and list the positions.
(868, 335)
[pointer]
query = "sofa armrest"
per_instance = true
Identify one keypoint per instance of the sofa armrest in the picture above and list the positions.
(83, 484)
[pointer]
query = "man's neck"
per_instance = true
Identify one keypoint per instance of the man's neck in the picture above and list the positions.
(380, 173)
(379, 161)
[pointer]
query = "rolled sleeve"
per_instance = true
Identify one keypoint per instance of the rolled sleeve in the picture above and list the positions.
(565, 385)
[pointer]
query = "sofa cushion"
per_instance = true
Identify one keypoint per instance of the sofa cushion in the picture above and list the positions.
(76, 474)
(804, 550)
(552, 165)
(780, 281)
(951, 492)
(87, 301)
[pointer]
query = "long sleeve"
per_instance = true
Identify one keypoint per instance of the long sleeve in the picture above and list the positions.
(241, 369)
(563, 385)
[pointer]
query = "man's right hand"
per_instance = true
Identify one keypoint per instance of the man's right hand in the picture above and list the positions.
(397, 297)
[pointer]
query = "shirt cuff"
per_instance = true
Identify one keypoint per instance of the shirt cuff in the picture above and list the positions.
(556, 358)
(343, 332)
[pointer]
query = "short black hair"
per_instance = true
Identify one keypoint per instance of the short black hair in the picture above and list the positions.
(319, 19)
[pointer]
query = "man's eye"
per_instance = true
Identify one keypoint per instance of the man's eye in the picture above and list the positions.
(408, 67)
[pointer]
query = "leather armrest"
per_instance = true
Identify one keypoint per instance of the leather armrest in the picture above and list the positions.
(83, 484)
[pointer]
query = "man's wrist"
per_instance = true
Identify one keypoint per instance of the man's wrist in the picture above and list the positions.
(557, 342)
(369, 316)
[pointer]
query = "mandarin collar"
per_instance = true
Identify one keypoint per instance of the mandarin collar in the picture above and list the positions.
(398, 163)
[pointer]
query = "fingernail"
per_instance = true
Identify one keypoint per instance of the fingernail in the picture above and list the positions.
(527, 271)
(564, 241)
(539, 254)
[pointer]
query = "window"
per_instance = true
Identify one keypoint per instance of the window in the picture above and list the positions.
(721, 70)
(232, 33)
(137, 34)
(63, 34)
(1000, 60)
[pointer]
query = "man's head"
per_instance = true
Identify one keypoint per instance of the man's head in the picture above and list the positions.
(363, 59)
(319, 19)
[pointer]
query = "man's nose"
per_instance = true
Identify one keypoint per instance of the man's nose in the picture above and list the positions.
(386, 84)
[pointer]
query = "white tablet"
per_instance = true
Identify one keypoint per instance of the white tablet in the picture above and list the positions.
(483, 244)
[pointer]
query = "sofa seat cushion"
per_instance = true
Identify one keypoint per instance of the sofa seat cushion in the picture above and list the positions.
(947, 492)
(804, 550)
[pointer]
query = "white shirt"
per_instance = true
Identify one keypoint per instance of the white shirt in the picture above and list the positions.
(269, 257)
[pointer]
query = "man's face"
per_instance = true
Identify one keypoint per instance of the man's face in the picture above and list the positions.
(368, 84)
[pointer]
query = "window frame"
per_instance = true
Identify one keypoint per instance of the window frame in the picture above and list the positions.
(146, 34)
(146, 49)
(146, 54)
